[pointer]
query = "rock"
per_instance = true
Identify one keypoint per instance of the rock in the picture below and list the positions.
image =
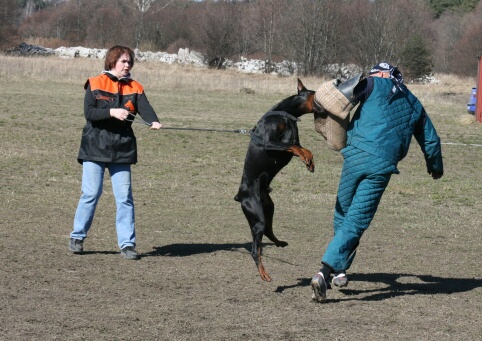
(186, 56)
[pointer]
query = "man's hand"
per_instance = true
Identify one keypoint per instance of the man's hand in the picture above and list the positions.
(436, 175)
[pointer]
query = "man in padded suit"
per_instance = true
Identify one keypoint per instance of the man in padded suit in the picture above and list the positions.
(378, 137)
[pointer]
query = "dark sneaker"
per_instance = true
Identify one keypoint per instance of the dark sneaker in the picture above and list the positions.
(129, 252)
(76, 245)
(319, 286)
(340, 280)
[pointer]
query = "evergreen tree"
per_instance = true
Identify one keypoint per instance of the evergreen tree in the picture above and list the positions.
(416, 60)
(440, 6)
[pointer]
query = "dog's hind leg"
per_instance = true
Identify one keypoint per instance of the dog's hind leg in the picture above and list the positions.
(252, 209)
(268, 209)
(256, 253)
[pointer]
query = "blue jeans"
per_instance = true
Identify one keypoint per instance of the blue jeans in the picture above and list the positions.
(92, 184)
(363, 180)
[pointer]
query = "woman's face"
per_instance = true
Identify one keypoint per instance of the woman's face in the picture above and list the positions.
(123, 66)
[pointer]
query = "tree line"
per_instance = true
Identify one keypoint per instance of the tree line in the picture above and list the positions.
(420, 36)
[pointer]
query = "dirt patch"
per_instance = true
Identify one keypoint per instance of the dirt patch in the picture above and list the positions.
(416, 276)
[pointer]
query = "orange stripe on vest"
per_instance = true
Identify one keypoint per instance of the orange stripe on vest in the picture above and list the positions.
(104, 83)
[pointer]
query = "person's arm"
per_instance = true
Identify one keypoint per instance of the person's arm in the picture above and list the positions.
(147, 112)
(91, 112)
(429, 142)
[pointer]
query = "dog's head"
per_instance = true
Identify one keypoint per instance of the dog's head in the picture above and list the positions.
(306, 100)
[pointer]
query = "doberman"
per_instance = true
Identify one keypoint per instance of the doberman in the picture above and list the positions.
(274, 142)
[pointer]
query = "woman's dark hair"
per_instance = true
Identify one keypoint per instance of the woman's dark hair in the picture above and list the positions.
(114, 53)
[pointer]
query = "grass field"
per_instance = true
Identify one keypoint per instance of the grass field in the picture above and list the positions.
(416, 277)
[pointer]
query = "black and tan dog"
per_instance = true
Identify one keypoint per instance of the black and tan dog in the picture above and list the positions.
(274, 142)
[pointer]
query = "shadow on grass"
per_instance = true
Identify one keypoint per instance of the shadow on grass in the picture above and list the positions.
(393, 287)
(425, 285)
(302, 282)
(183, 250)
(389, 285)
(85, 253)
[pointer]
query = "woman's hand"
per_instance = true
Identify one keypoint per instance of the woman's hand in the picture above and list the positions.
(156, 126)
(119, 113)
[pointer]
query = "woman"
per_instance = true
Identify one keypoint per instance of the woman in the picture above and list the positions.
(111, 102)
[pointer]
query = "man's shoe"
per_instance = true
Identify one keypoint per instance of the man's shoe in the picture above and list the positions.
(76, 245)
(319, 286)
(129, 252)
(340, 280)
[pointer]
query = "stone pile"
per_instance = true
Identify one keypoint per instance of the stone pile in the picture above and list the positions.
(30, 50)
(185, 56)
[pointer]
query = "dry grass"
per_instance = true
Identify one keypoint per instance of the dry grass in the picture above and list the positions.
(151, 74)
(416, 276)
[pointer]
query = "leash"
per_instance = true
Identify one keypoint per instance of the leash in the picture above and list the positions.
(239, 131)
(244, 131)
(462, 144)
(141, 121)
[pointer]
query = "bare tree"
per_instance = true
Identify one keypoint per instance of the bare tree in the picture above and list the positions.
(248, 42)
(448, 30)
(469, 46)
(266, 17)
(141, 8)
(100, 32)
(383, 28)
(168, 27)
(143, 5)
(311, 34)
(9, 19)
(414, 38)
(217, 31)
(372, 33)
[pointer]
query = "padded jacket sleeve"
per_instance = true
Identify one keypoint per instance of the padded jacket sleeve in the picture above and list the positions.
(429, 142)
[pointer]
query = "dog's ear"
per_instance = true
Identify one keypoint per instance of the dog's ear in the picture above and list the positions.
(301, 87)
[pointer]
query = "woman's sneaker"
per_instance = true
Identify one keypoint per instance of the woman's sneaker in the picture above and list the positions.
(319, 286)
(129, 252)
(76, 245)
(340, 280)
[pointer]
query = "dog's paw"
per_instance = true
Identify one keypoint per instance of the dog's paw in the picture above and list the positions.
(311, 167)
(281, 243)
